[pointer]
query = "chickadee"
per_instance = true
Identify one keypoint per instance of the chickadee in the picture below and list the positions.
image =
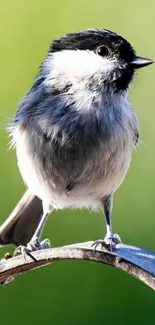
(74, 133)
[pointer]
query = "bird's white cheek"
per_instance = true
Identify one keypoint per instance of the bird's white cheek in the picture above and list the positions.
(72, 65)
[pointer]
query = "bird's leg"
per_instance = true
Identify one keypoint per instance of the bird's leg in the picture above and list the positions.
(110, 240)
(35, 244)
(35, 240)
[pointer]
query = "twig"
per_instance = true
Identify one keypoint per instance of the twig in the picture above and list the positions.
(136, 261)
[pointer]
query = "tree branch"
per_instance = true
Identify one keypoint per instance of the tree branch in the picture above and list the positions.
(136, 261)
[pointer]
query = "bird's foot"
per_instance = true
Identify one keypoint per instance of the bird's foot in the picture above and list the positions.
(109, 242)
(33, 245)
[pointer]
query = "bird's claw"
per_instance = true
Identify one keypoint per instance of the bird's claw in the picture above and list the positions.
(33, 245)
(108, 243)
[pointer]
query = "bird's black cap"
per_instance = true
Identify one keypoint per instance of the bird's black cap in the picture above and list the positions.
(91, 39)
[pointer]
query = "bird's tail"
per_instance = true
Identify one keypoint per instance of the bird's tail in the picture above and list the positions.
(20, 226)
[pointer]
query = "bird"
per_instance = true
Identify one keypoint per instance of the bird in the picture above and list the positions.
(74, 134)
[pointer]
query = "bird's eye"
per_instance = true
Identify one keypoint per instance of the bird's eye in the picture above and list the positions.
(102, 50)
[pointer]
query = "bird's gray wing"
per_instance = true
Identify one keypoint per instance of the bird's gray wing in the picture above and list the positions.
(20, 226)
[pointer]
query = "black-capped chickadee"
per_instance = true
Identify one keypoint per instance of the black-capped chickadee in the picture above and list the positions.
(74, 133)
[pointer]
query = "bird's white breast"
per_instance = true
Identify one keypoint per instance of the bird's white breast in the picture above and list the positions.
(100, 177)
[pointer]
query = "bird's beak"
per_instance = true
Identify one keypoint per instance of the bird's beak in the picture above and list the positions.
(140, 62)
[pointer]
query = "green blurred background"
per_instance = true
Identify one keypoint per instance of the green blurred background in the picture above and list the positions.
(76, 292)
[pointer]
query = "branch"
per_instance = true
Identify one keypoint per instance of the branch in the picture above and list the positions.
(136, 261)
